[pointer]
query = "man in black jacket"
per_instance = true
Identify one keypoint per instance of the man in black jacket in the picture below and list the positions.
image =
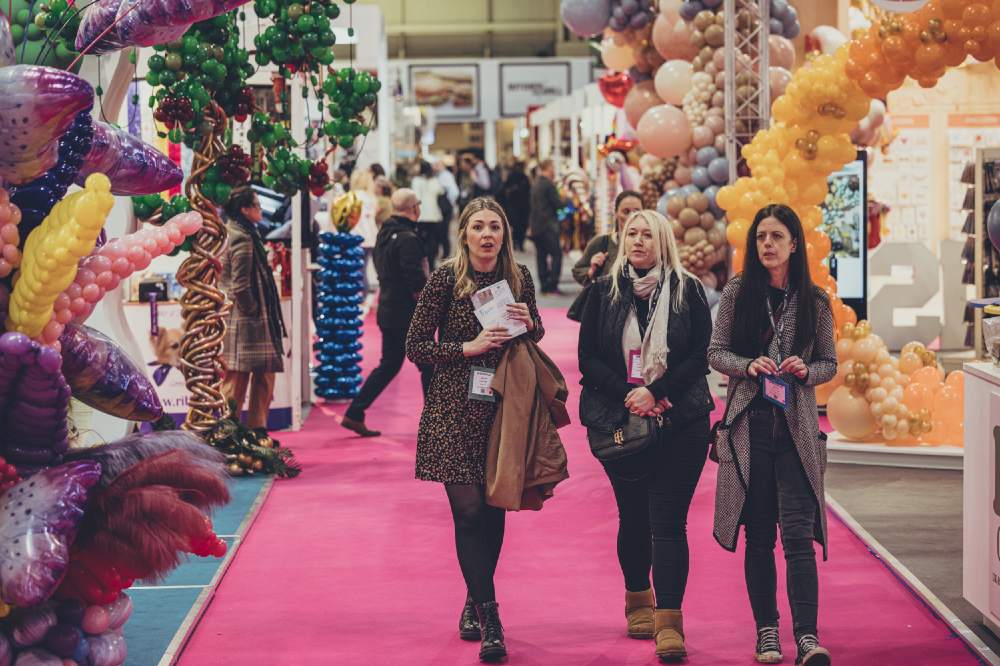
(402, 270)
(545, 205)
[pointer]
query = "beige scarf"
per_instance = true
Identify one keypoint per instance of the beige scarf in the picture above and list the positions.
(654, 344)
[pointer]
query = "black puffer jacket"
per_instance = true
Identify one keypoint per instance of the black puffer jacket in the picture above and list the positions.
(603, 363)
(401, 264)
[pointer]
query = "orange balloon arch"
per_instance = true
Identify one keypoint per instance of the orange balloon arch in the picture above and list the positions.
(825, 100)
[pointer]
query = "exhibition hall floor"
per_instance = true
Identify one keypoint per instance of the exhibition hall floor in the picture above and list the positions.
(353, 563)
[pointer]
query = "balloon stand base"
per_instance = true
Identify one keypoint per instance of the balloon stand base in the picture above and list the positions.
(840, 449)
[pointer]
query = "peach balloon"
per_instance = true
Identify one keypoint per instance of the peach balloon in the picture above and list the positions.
(672, 39)
(778, 79)
(866, 350)
(673, 81)
(640, 99)
(664, 131)
(909, 362)
(917, 396)
(616, 57)
(782, 52)
(956, 380)
(927, 376)
(850, 414)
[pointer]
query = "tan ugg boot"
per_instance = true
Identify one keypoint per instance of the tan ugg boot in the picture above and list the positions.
(669, 630)
(639, 613)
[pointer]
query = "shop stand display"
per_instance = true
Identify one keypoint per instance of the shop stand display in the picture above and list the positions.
(985, 193)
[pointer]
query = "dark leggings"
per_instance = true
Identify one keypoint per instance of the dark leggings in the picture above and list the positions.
(654, 491)
(478, 537)
(779, 493)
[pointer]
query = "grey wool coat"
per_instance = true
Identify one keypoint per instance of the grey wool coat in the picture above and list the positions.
(733, 436)
(248, 345)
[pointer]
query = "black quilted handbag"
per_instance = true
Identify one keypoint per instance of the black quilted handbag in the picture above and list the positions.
(632, 436)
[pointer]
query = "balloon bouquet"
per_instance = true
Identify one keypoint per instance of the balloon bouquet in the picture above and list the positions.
(340, 293)
(902, 401)
(80, 526)
(666, 63)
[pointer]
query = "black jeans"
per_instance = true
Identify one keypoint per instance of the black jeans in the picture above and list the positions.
(779, 493)
(393, 355)
(654, 491)
(549, 254)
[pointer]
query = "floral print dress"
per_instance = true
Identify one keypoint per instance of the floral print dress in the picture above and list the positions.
(454, 430)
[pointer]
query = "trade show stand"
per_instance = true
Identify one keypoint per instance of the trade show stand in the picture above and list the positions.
(981, 505)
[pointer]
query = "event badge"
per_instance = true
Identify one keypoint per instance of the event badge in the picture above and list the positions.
(635, 367)
(479, 384)
(776, 391)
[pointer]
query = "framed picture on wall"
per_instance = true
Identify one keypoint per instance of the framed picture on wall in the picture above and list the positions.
(451, 89)
(532, 84)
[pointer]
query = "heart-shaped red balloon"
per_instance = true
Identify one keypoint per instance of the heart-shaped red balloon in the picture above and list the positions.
(615, 86)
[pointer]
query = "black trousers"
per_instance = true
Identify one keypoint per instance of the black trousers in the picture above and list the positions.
(779, 493)
(549, 255)
(393, 355)
(654, 491)
(479, 530)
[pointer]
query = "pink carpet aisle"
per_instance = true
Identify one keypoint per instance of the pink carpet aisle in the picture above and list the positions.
(353, 563)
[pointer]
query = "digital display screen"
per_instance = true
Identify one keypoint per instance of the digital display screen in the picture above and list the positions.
(844, 213)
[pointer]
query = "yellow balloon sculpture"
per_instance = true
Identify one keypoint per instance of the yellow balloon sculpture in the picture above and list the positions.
(827, 97)
(52, 251)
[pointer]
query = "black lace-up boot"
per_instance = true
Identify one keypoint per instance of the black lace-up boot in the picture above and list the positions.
(468, 624)
(492, 649)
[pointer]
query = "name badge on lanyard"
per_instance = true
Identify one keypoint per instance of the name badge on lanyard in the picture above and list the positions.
(635, 367)
(480, 380)
(776, 390)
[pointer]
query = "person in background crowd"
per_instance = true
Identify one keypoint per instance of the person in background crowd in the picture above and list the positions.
(377, 170)
(363, 185)
(447, 204)
(600, 253)
(402, 272)
(651, 312)
(401, 175)
(339, 182)
(476, 180)
(774, 338)
(544, 227)
(430, 190)
(516, 199)
(383, 200)
(252, 349)
(454, 428)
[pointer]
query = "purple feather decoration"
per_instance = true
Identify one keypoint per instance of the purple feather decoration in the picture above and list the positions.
(134, 167)
(122, 454)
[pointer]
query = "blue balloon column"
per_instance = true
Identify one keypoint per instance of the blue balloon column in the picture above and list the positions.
(338, 315)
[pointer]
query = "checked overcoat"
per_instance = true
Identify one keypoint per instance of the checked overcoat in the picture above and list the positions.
(733, 435)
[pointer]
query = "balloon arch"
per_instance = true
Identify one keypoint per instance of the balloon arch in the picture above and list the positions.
(905, 398)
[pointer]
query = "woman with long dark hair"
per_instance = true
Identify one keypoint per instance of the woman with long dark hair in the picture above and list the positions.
(455, 424)
(774, 339)
(643, 340)
(252, 348)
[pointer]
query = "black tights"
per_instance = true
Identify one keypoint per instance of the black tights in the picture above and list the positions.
(478, 538)
(653, 490)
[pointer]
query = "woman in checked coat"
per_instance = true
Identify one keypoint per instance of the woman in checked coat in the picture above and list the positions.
(252, 348)
(775, 331)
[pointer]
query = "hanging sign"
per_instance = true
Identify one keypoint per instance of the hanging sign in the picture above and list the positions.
(901, 6)
(523, 85)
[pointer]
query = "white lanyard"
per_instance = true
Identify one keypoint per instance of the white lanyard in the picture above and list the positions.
(778, 329)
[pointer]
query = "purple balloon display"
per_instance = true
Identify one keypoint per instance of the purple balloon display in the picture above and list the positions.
(585, 17)
(699, 176)
(993, 225)
(41, 515)
(134, 167)
(34, 398)
(718, 170)
(143, 22)
(38, 105)
(105, 378)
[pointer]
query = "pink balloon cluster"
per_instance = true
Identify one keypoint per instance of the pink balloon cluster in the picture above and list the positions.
(107, 266)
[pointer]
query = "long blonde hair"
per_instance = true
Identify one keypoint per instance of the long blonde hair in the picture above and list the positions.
(665, 247)
(507, 268)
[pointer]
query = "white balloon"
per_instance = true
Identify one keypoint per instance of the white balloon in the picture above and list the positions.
(830, 39)
(673, 81)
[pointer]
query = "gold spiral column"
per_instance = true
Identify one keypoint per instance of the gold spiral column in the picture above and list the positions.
(203, 306)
